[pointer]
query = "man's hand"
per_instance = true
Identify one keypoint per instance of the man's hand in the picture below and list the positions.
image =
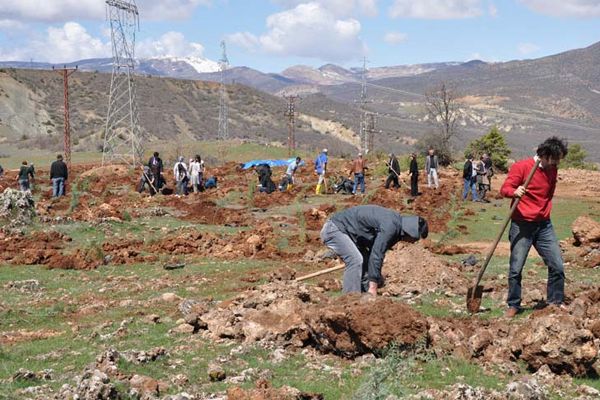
(519, 192)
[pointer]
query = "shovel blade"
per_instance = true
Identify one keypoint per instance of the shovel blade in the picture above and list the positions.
(474, 295)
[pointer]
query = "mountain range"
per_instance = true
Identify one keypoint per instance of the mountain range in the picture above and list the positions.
(527, 99)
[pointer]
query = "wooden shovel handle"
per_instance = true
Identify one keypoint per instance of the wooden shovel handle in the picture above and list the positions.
(504, 225)
(323, 272)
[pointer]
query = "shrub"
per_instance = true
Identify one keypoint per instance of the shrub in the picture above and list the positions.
(494, 145)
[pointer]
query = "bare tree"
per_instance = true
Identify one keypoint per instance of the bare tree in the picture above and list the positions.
(442, 105)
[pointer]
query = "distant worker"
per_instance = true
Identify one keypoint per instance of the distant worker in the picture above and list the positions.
(361, 235)
(291, 170)
(320, 170)
(359, 166)
(531, 224)
(25, 173)
(156, 167)
(59, 173)
(469, 179)
(196, 174)
(431, 168)
(149, 179)
(1, 171)
(180, 173)
(413, 170)
(393, 172)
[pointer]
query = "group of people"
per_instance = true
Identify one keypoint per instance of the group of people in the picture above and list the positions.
(188, 177)
(477, 177)
(361, 235)
(59, 173)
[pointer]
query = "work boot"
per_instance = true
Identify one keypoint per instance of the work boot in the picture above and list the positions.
(318, 189)
(511, 312)
(290, 187)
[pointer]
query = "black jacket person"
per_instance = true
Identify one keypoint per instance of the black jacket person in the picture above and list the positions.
(393, 172)
(361, 235)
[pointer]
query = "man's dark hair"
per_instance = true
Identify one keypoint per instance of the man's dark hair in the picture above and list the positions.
(469, 157)
(553, 147)
(156, 154)
(59, 157)
(298, 159)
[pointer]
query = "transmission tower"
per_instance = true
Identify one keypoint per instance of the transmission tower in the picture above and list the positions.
(223, 65)
(291, 114)
(123, 138)
(66, 72)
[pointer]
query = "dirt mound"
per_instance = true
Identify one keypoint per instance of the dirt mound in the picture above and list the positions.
(208, 212)
(277, 198)
(292, 314)
(412, 269)
(585, 231)
(359, 324)
(316, 217)
(264, 391)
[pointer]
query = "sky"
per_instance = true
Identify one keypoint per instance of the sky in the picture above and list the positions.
(271, 35)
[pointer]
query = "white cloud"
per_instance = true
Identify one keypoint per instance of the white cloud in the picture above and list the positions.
(71, 42)
(65, 10)
(395, 37)
(435, 9)
(492, 10)
(171, 44)
(340, 8)
(9, 25)
(527, 48)
(565, 8)
(308, 30)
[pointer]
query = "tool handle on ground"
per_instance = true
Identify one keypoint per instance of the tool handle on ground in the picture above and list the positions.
(504, 225)
(318, 273)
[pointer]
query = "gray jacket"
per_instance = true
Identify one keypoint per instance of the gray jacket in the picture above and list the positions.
(375, 230)
(429, 164)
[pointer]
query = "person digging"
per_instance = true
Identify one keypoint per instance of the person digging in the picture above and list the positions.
(361, 236)
(531, 224)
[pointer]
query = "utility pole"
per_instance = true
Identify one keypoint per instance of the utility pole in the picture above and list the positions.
(223, 133)
(66, 72)
(291, 114)
(367, 120)
(123, 137)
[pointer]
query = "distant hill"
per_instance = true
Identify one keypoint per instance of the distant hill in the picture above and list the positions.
(527, 99)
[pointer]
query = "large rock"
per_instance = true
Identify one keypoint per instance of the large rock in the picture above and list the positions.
(558, 341)
(17, 207)
(585, 230)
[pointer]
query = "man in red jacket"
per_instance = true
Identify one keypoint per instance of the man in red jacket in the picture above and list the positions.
(531, 223)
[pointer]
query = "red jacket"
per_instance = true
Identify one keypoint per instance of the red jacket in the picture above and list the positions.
(536, 204)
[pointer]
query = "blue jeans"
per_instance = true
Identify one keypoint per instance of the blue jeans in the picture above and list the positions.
(359, 179)
(24, 184)
(469, 184)
(58, 187)
(522, 236)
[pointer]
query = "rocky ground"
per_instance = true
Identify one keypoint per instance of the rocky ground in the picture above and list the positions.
(114, 294)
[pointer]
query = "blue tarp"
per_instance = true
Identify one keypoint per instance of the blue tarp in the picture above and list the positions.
(270, 163)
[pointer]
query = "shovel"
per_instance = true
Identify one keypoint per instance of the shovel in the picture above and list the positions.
(475, 292)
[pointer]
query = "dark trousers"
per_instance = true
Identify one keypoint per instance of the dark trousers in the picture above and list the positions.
(392, 177)
(522, 236)
(414, 184)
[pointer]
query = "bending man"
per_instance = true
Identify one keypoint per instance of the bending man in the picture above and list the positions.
(361, 235)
